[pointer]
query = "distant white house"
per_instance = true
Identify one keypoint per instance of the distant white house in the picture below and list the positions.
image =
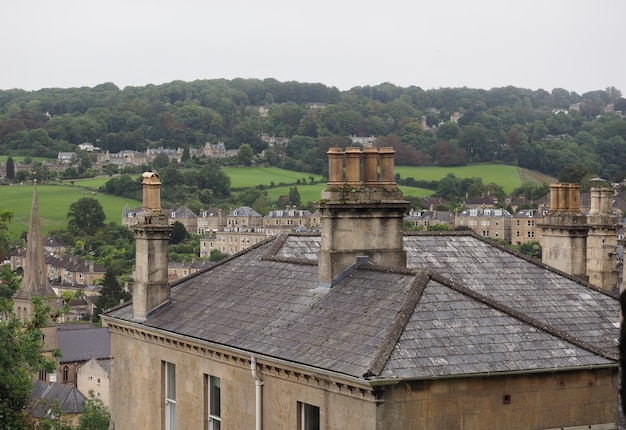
(86, 146)
(66, 157)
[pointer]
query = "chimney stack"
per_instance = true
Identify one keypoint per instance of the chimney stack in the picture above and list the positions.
(152, 233)
(602, 237)
(361, 214)
(564, 231)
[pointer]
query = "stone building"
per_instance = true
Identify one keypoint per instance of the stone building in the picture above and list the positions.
(95, 376)
(64, 269)
(211, 220)
(291, 218)
(361, 328)
(524, 226)
(426, 218)
(491, 223)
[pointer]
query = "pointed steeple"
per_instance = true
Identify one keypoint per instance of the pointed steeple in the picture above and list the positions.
(35, 282)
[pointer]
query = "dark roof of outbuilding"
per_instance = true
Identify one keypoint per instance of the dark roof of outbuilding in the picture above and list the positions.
(463, 306)
(46, 395)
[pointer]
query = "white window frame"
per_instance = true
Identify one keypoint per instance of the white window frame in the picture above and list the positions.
(304, 416)
(169, 395)
(213, 402)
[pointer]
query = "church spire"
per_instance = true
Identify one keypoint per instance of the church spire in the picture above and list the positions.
(35, 282)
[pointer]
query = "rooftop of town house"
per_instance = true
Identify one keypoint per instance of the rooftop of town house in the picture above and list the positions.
(462, 306)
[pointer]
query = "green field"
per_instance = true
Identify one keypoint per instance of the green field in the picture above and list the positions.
(54, 202)
(508, 177)
(20, 159)
(312, 193)
(244, 177)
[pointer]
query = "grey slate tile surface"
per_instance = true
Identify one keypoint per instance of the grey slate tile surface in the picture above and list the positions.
(476, 309)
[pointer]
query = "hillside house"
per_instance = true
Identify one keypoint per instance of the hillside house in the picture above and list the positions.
(426, 218)
(66, 269)
(215, 150)
(186, 217)
(66, 157)
(211, 220)
(290, 218)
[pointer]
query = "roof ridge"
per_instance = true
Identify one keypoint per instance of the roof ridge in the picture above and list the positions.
(413, 296)
(223, 261)
(499, 246)
(523, 317)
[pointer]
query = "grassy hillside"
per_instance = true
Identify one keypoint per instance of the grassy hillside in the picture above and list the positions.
(508, 177)
(311, 193)
(54, 202)
(243, 177)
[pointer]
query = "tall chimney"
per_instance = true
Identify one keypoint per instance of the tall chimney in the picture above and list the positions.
(152, 233)
(361, 215)
(602, 238)
(564, 231)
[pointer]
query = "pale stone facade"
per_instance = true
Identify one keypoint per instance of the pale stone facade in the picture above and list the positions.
(95, 376)
(516, 401)
(524, 226)
(491, 223)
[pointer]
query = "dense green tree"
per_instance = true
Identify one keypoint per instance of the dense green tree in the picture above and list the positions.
(9, 282)
(8, 240)
(294, 196)
(217, 255)
(111, 294)
(178, 234)
(449, 187)
(245, 155)
(575, 173)
(70, 173)
(10, 169)
(95, 415)
(212, 177)
(438, 227)
(186, 156)
(85, 216)
(20, 359)
(110, 169)
(161, 161)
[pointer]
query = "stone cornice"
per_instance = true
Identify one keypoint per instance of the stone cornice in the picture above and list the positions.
(267, 366)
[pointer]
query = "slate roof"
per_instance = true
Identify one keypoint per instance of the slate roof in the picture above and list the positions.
(463, 307)
(45, 395)
(82, 342)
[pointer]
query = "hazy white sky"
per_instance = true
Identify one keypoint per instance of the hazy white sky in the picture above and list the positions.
(573, 44)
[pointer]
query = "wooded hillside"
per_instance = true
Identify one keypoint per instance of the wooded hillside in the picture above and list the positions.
(547, 131)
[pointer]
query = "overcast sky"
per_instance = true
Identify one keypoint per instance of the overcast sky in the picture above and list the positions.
(573, 44)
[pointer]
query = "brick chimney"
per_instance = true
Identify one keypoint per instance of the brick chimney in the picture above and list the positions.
(361, 213)
(152, 233)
